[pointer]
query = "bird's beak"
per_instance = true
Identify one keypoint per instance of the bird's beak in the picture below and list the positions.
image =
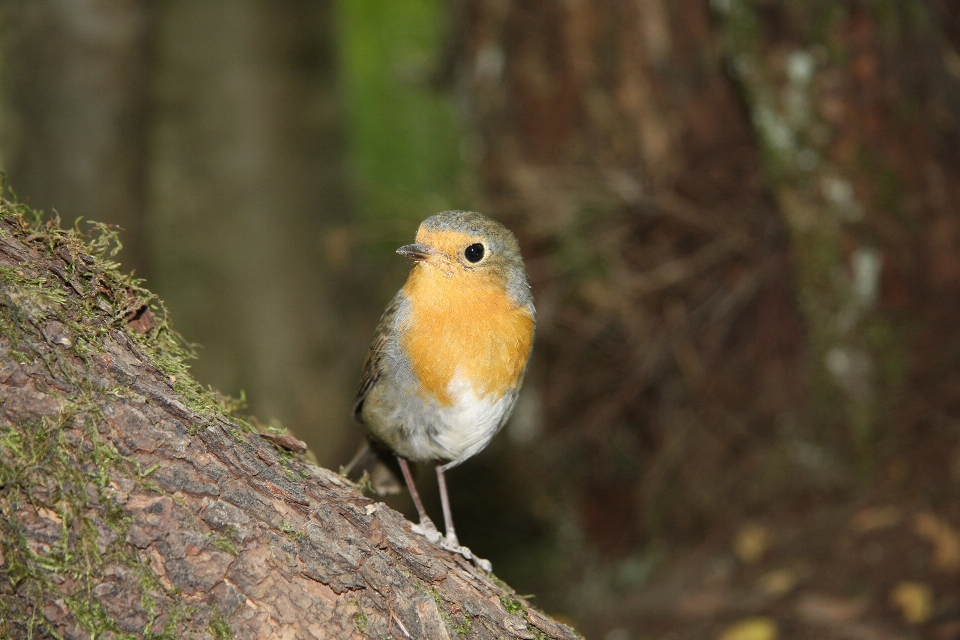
(418, 252)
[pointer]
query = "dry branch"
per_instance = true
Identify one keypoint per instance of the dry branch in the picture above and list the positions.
(133, 504)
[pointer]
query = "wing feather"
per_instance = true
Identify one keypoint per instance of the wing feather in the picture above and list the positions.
(373, 366)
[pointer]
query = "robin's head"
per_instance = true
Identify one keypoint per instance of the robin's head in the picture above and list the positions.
(472, 245)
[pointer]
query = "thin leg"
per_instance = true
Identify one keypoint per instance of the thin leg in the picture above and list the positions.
(358, 457)
(428, 529)
(445, 502)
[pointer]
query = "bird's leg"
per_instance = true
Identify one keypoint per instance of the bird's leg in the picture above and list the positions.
(426, 526)
(450, 542)
(445, 502)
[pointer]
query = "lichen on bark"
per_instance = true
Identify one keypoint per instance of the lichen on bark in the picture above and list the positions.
(813, 157)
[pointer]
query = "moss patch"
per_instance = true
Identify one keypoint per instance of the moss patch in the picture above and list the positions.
(62, 525)
(511, 604)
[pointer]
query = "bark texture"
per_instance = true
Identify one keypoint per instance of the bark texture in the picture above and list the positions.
(132, 504)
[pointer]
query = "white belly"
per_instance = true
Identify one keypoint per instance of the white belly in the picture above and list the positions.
(420, 429)
(468, 425)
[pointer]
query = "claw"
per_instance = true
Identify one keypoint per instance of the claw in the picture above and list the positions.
(428, 530)
(466, 553)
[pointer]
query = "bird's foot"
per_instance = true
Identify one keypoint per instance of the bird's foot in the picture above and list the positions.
(456, 547)
(428, 530)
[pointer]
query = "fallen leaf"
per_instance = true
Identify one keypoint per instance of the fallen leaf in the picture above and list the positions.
(704, 603)
(759, 628)
(877, 518)
(915, 601)
(49, 514)
(830, 610)
(943, 537)
(141, 320)
(751, 543)
(779, 582)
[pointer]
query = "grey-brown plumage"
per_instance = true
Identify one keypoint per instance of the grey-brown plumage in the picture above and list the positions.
(450, 352)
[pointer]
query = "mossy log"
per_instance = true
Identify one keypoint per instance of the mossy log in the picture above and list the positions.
(134, 503)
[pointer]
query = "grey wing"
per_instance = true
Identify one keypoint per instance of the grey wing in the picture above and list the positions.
(373, 366)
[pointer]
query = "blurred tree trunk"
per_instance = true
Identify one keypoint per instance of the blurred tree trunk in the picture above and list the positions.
(741, 277)
(613, 141)
(74, 92)
(856, 110)
(247, 192)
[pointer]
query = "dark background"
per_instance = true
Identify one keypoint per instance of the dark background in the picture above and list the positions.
(739, 217)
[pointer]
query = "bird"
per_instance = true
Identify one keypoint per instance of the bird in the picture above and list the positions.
(449, 354)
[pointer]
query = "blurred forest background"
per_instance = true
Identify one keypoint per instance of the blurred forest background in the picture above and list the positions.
(739, 217)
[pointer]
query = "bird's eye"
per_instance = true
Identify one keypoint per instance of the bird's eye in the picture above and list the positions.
(474, 253)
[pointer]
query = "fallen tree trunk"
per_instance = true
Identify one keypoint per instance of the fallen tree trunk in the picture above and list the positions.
(134, 504)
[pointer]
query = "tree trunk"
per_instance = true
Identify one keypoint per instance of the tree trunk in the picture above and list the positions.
(134, 505)
(75, 91)
(855, 108)
(614, 143)
(248, 195)
(741, 227)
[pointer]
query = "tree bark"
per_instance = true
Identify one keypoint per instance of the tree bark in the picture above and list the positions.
(855, 107)
(134, 505)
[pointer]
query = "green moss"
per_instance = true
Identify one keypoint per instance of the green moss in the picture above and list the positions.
(292, 532)
(461, 623)
(360, 618)
(76, 463)
(365, 484)
(511, 604)
(219, 627)
(538, 634)
(224, 544)
(91, 617)
(463, 627)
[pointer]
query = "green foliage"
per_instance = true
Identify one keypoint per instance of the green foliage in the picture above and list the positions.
(404, 136)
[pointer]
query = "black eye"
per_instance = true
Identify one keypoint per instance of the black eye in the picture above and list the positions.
(474, 253)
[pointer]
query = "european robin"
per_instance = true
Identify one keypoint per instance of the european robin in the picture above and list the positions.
(449, 355)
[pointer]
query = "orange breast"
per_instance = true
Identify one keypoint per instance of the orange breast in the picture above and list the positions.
(464, 323)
